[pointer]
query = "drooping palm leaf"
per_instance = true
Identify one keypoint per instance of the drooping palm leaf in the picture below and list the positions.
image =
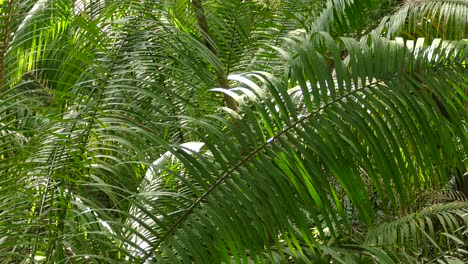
(338, 138)
(434, 19)
(369, 130)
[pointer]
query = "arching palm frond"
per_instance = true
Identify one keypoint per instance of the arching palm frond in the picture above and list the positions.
(351, 18)
(355, 148)
(331, 143)
(430, 19)
(430, 233)
(49, 100)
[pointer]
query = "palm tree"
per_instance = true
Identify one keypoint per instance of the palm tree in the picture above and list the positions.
(137, 131)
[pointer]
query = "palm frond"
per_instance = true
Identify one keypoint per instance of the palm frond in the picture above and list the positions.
(431, 19)
(345, 125)
(331, 140)
(351, 18)
(431, 232)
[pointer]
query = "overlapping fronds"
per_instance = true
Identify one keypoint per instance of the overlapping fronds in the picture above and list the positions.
(436, 232)
(431, 18)
(334, 139)
(350, 18)
(365, 130)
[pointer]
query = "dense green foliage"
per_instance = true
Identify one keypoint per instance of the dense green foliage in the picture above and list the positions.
(217, 131)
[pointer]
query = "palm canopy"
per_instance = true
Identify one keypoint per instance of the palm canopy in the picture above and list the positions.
(337, 143)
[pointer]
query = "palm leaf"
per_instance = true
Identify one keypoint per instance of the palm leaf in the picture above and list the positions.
(330, 141)
(419, 232)
(437, 19)
(345, 127)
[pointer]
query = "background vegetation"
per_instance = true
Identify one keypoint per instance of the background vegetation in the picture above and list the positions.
(218, 131)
